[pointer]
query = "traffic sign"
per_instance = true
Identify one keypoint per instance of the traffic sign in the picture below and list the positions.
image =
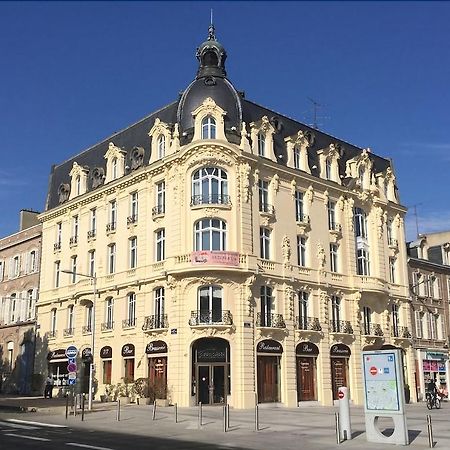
(71, 351)
(71, 382)
(72, 361)
(340, 395)
(71, 367)
(72, 376)
(373, 370)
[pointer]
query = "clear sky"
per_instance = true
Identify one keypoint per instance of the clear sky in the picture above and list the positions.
(74, 73)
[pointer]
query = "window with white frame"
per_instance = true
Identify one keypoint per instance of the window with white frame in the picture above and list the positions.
(15, 267)
(92, 222)
(30, 305)
(12, 308)
(419, 324)
(328, 167)
(59, 234)
(133, 252)
(112, 216)
(160, 244)
(10, 358)
(159, 307)
(111, 258)
(208, 128)
(209, 186)
(367, 318)
(70, 319)
(264, 241)
(114, 168)
(53, 322)
(299, 211)
(263, 194)
(301, 251)
(91, 262)
(75, 225)
(362, 263)
(73, 268)
(433, 319)
(392, 272)
(261, 144)
(266, 301)
(161, 197)
(89, 315)
(133, 207)
(389, 232)
(303, 310)
(109, 313)
(161, 147)
(334, 258)
(57, 273)
(210, 304)
(336, 314)
(32, 261)
(296, 157)
(210, 234)
(331, 213)
(360, 220)
(416, 276)
(131, 309)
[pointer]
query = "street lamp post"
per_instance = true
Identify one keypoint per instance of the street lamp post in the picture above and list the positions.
(91, 368)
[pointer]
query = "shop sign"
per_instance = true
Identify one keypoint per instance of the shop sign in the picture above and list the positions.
(437, 356)
(128, 350)
(106, 352)
(57, 354)
(307, 349)
(216, 258)
(269, 346)
(340, 351)
(156, 347)
(211, 354)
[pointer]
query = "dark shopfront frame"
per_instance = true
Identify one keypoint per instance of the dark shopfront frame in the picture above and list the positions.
(156, 352)
(306, 360)
(339, 359)
(211, 371)
(268, 363)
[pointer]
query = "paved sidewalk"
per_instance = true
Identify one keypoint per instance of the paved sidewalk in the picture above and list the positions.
(280, 428)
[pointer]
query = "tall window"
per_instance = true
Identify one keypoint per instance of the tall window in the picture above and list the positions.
(13, 308)
(129, 369)
(208, 128)
(70, 318)
(131, 309)
(133, 252)
(107, 371)
(210, 234)
(432, 325)
(266, 306)
(331, 212)
(160, 249)
(299, 213)
(360, 219)
(93, 222)
(73, 269)
(2, 270)
(210, 304)
(161, 197)
(53, 322)
(334, 257)
(209, 185)
(261, 144)
(32, 267)
(389, 231)
(30, 305)
(362, 263)
(15, 267)
(114, 169)
(395, 321)
(159, 307)
(419, 323)
(303, 310)
(297, 157)
(133, 206)
(75, 225)
(161, 146)
(78, 185)
(335, 313)
(264, 242)
(263, 190)
(57, 273)
(111, 258)
(392, 269)
(367, 317)
(59, 234)
(328, 169)
(109, 313)
(91, 261)
(112, 215)
(301, 251)
(89, 311)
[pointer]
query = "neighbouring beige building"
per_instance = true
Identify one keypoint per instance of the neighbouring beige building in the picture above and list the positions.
(19, 287)
(236, 252)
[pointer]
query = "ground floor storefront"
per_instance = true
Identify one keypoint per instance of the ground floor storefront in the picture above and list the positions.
(431, 365)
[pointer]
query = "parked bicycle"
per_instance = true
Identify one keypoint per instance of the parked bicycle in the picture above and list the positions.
(433, 400)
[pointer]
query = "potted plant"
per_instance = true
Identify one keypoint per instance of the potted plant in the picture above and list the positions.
(123, 392)
(158, 392)
(141, 390)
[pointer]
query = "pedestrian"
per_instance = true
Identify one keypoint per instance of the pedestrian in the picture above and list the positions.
(48, 390)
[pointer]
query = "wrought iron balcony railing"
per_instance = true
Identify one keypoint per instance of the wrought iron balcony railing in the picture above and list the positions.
(302, 218)
(392, 242)
(68, 332)
(214, 317)
(57, 246)
(307, 323)
(401, 332)
(129, 323)
(341, 326)
(73, 240)
(214, 199)
(132, 219)
(111, 226)
(372, 329)
(91, 234)
(158, 210)
(52, 334)
(266, 208)
(270, 320)
(107, 326)
(86, 329)
(333, 226)
(155, 322)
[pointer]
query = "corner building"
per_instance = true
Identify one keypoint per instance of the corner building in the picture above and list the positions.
(237, 252)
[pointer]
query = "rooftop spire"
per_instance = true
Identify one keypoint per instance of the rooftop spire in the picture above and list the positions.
(211, 29)
(211, 55)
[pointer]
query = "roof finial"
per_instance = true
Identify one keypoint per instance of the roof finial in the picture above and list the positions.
(211, 29)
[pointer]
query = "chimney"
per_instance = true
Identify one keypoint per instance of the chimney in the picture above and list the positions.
(28, 219)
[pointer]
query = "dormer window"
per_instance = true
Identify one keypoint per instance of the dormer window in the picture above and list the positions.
(296, 157)
(78, 182)
(208, 128)
(115, 162)
(328, 173)
(78, 185)
(161, 146)
(114, 169)
(261, 145)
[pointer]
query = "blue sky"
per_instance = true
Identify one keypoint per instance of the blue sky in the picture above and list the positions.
(74, 73)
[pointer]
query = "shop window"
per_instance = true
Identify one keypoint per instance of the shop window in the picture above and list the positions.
(129, 370)
(107, 371)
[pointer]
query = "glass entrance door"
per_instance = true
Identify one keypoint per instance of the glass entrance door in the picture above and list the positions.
(211, 382)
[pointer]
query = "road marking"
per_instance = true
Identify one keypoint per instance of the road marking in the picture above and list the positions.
(34, 438)
(41, 424)
(88, 446)
(17, 426)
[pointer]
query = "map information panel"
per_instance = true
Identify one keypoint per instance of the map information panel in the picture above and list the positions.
(382, 393)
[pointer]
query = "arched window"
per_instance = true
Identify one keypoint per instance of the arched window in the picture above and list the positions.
(210, 234)
(161, 146)
(261, 144)
(210, 304)
(208, 128)
(210, 185)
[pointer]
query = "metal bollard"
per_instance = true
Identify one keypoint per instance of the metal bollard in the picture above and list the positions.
(118, 410)
(225, 418)
(256, 418)
(137, 400)
(338, 434)
(67, 406)
(200, 414)
(228, 416)
(82, 408)
(430, 431)
(176, 412)
(154, 410)
(75, 405)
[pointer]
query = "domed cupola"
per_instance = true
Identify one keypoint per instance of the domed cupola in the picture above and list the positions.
(211, 56)
(211, 82)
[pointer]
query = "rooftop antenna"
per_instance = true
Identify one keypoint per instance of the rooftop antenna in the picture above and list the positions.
(211, 30)
(416, 217)
(316, 105)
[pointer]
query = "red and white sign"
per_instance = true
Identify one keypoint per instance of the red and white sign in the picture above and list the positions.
(373, 370)
(340, 395)
(216, 258)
